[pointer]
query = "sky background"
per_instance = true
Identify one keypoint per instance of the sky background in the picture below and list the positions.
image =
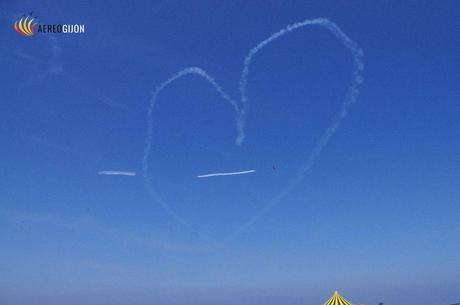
(376, 217)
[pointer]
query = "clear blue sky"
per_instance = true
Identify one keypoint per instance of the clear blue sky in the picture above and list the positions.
(376, 217)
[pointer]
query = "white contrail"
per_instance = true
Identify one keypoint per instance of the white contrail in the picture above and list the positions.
(241, 111)
(117, 173)
(227, 174)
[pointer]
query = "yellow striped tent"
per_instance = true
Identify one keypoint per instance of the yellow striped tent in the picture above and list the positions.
(337, 299)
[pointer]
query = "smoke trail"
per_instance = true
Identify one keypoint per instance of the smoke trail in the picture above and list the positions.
(55, 64)
(227, 174)
(117, 173)
(56, 68)
(326, 23)
(241, 111)
(350, 98)
(148, 143)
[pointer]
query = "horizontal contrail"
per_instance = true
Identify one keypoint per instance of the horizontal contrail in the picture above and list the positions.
(119, 173)
(227, 174)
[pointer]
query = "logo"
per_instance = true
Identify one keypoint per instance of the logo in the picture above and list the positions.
(26, 25)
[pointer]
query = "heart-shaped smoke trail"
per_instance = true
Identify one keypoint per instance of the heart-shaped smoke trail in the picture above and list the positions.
(241, 110)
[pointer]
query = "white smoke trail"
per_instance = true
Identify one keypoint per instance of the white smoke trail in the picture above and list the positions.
(148, 143)
(117, 173)
(55, 68)
(241, 111)
(227, 174)
(350, 98)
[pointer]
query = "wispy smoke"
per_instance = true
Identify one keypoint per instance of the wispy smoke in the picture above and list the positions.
(55, 67)
(148, 142)
(242, 109)
(89, 224)
(55, 63)
(227, 174)
(117, 173)
(350, 98)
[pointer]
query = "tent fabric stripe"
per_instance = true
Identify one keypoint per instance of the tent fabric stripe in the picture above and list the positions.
(337, 299)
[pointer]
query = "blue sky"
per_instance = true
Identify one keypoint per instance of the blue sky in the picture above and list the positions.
(375, 217)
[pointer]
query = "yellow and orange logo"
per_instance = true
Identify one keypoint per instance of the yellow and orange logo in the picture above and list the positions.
(26, 25)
